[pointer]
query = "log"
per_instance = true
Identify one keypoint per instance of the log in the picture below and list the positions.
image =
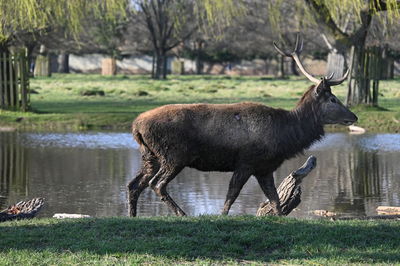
(374, 217)
(289, 190)
(22, 210)
(356, 130)
(324, 213)
(388, 210)
(70, 216)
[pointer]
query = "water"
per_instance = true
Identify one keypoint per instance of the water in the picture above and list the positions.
(88, 172)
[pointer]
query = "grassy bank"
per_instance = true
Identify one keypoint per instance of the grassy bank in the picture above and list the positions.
(61, 102)
(198, 240)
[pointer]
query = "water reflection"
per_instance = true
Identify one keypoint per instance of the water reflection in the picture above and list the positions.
(87, 173)
(13, 171)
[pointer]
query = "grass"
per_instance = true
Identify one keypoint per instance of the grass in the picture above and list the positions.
(61, 104)
(198, 240)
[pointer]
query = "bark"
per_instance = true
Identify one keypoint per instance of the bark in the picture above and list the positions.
(289, 190)
(22, 210)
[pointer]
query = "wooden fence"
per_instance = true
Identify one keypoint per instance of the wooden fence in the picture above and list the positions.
(14, 81)
(373, 70)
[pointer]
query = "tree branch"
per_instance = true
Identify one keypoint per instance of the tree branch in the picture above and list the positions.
(381, 5)
(289, 190)
(323, 14)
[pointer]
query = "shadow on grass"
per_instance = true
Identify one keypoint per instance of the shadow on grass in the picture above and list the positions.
(211, 237)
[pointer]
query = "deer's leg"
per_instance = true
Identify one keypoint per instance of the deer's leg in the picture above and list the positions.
(139, 183)
(236, 184)
(159, 184)
(267, 185)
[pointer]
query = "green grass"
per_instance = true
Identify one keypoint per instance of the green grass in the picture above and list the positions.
(198, 240)
(60, 105)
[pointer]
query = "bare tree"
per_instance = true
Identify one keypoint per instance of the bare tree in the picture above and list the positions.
(166, 23)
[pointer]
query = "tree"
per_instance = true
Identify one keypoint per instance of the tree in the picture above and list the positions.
(347, 25)
(170, 23)
(167, 25)
(33, 17)
(352, 36)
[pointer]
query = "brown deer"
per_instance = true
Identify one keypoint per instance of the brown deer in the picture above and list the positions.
(244, 138)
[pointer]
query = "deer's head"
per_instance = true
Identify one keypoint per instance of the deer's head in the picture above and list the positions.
(329, 108)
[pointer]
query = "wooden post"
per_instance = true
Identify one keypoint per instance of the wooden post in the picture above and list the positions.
(1, 85)
(13, 92)
(5, 87)
(23, 83)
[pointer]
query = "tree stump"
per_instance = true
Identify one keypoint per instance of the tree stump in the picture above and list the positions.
(109, 67)
(22, 210)
(289, 190)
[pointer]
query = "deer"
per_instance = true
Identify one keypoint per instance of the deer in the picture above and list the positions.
(247, 138)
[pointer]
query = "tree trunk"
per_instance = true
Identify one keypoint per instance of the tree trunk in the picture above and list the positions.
(359, 79)
(365, 76)
(282, 67)
(31, 60)
(199, 62)
(199, 65)
(109, 66)
(165, 69)
(293, 66)
(63, 63)
(335, 64)
(160, 66)
(42, 64)
(289, 190)
(336, 60)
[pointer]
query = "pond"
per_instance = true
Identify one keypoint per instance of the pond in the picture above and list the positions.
(87, 173)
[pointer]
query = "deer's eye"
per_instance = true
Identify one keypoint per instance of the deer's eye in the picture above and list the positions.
(333, 100)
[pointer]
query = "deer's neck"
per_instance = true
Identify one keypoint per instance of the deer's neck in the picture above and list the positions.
(303, 127)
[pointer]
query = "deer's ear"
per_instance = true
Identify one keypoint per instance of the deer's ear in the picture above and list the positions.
(319, 89)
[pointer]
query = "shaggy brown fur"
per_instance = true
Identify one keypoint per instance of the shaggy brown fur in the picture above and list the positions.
(245, 138)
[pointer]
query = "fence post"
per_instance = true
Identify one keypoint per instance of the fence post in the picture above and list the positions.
(14, 81)
(1, 84)
(13, 92)
(5, 85)
(22, 78)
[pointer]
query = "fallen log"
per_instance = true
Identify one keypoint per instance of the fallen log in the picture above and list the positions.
(70, 216)
(388, 210)
(324, 213)
(356, 130)
(373, 217)
(289, 190)
(22, 210)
